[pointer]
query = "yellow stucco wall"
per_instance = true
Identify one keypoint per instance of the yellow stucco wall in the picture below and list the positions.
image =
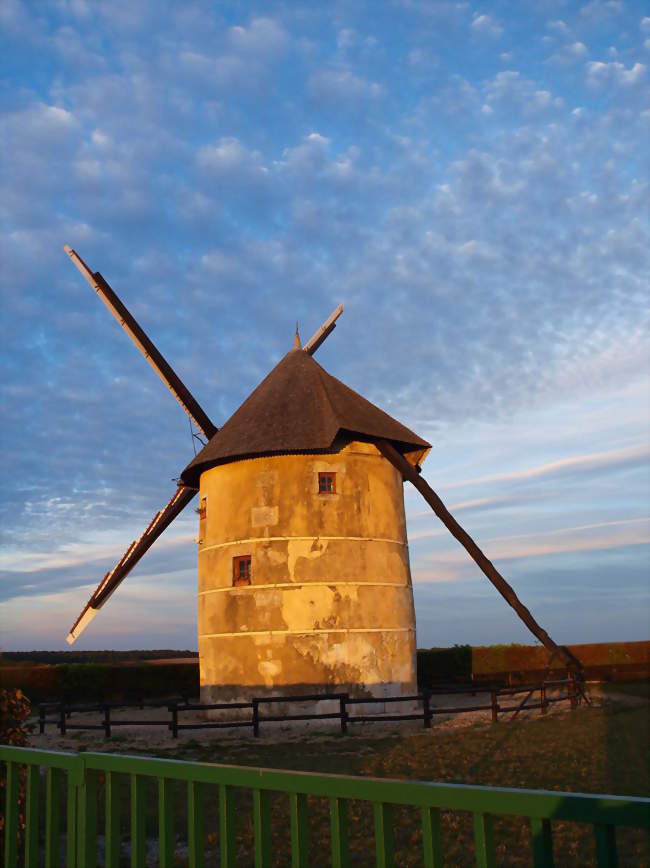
(330, 601)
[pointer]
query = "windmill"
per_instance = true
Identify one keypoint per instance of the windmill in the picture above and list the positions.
(303, 570)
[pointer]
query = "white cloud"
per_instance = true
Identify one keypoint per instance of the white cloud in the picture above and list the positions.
(510, 90)
(229, 155)
(558, 26)
(486, 25)
(599, 10)
(343, 85)
(599, 73)
(263, 38)
(346, 38)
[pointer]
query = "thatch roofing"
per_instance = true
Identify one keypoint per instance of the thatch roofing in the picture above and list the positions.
(299, 407)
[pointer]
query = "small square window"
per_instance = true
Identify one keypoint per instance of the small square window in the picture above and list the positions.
(327, 483)
(241, 571)
(203, 508)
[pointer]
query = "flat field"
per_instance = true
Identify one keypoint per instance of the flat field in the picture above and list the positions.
(597, 749)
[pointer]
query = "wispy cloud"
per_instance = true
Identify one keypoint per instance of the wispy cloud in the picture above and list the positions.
(582, 538)
(578, 464)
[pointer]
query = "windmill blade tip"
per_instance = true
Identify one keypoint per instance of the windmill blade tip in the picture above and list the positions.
(70, 638)
(68, 249)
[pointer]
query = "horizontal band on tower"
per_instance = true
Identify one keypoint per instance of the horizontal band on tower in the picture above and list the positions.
(332, 582)
(264, 539)
(307, 632)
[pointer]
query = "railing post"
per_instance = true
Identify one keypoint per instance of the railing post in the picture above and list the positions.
(542, 839)
(112, 837)
(484, 841)
(256, 718)
(195, 835)
(52, 816)
(384, 842)
(71, 830)
(432, 838)
(606, 855)
(339, 833)
(11, 815)
(262, 828)
(299, 830)
(32, 794)
(165, 823)
(138, 826)
(87, 818)
(495, 706)
(344, 711)
(227, 842)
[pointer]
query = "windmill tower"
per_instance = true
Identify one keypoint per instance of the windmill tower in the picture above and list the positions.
(303, 571)
(304, 580)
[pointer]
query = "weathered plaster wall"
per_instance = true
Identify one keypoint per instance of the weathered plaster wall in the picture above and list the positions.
(330, 601)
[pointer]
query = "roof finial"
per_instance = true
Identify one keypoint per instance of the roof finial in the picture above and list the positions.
(296, 341)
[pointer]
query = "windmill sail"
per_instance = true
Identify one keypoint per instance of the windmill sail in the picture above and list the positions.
(129, 559)
(146, 346)
(323, 332)
(488, 568)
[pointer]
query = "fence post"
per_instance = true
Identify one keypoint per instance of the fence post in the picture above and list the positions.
(495, 706)
(107, 721)
(256, 718)
(62, 719)
(426, 698)
(41, 719)
(542, 697)
(344, 712)
(572, 692)
(174, 724)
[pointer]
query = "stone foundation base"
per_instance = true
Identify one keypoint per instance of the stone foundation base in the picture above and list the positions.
(235, 693)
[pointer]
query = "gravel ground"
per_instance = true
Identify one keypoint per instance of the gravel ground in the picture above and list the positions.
(142, 738)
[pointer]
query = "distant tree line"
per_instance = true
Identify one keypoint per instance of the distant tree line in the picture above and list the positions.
(94, 656)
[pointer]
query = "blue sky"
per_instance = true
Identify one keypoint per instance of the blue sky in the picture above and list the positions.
(471, 179)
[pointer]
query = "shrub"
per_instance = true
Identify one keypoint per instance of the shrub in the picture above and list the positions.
(14, 711)
(444, 665)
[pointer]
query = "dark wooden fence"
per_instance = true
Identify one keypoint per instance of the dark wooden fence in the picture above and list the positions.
(253, 716)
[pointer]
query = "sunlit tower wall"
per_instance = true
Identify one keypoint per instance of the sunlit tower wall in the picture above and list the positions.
(304, 582)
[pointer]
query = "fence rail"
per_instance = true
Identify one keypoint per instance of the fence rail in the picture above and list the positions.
(426, 713)
(88, 774)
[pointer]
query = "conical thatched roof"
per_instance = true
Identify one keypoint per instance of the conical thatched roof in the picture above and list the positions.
(299, 407)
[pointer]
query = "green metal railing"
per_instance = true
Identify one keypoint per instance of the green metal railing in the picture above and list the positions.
(87, 773)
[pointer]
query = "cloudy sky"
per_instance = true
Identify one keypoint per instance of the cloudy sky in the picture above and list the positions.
(470, 179)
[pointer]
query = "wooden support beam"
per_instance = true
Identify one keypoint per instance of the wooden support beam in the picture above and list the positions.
(507, 592)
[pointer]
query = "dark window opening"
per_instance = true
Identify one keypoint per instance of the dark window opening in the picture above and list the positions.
(241, 570)
(327, 483)
(203, 508)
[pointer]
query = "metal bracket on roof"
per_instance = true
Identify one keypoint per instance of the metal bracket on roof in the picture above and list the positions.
(327, 328)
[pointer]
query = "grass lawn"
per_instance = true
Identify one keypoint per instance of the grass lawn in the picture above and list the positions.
(599, 749)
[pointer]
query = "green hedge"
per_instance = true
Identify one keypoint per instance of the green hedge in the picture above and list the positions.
(444, 665)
